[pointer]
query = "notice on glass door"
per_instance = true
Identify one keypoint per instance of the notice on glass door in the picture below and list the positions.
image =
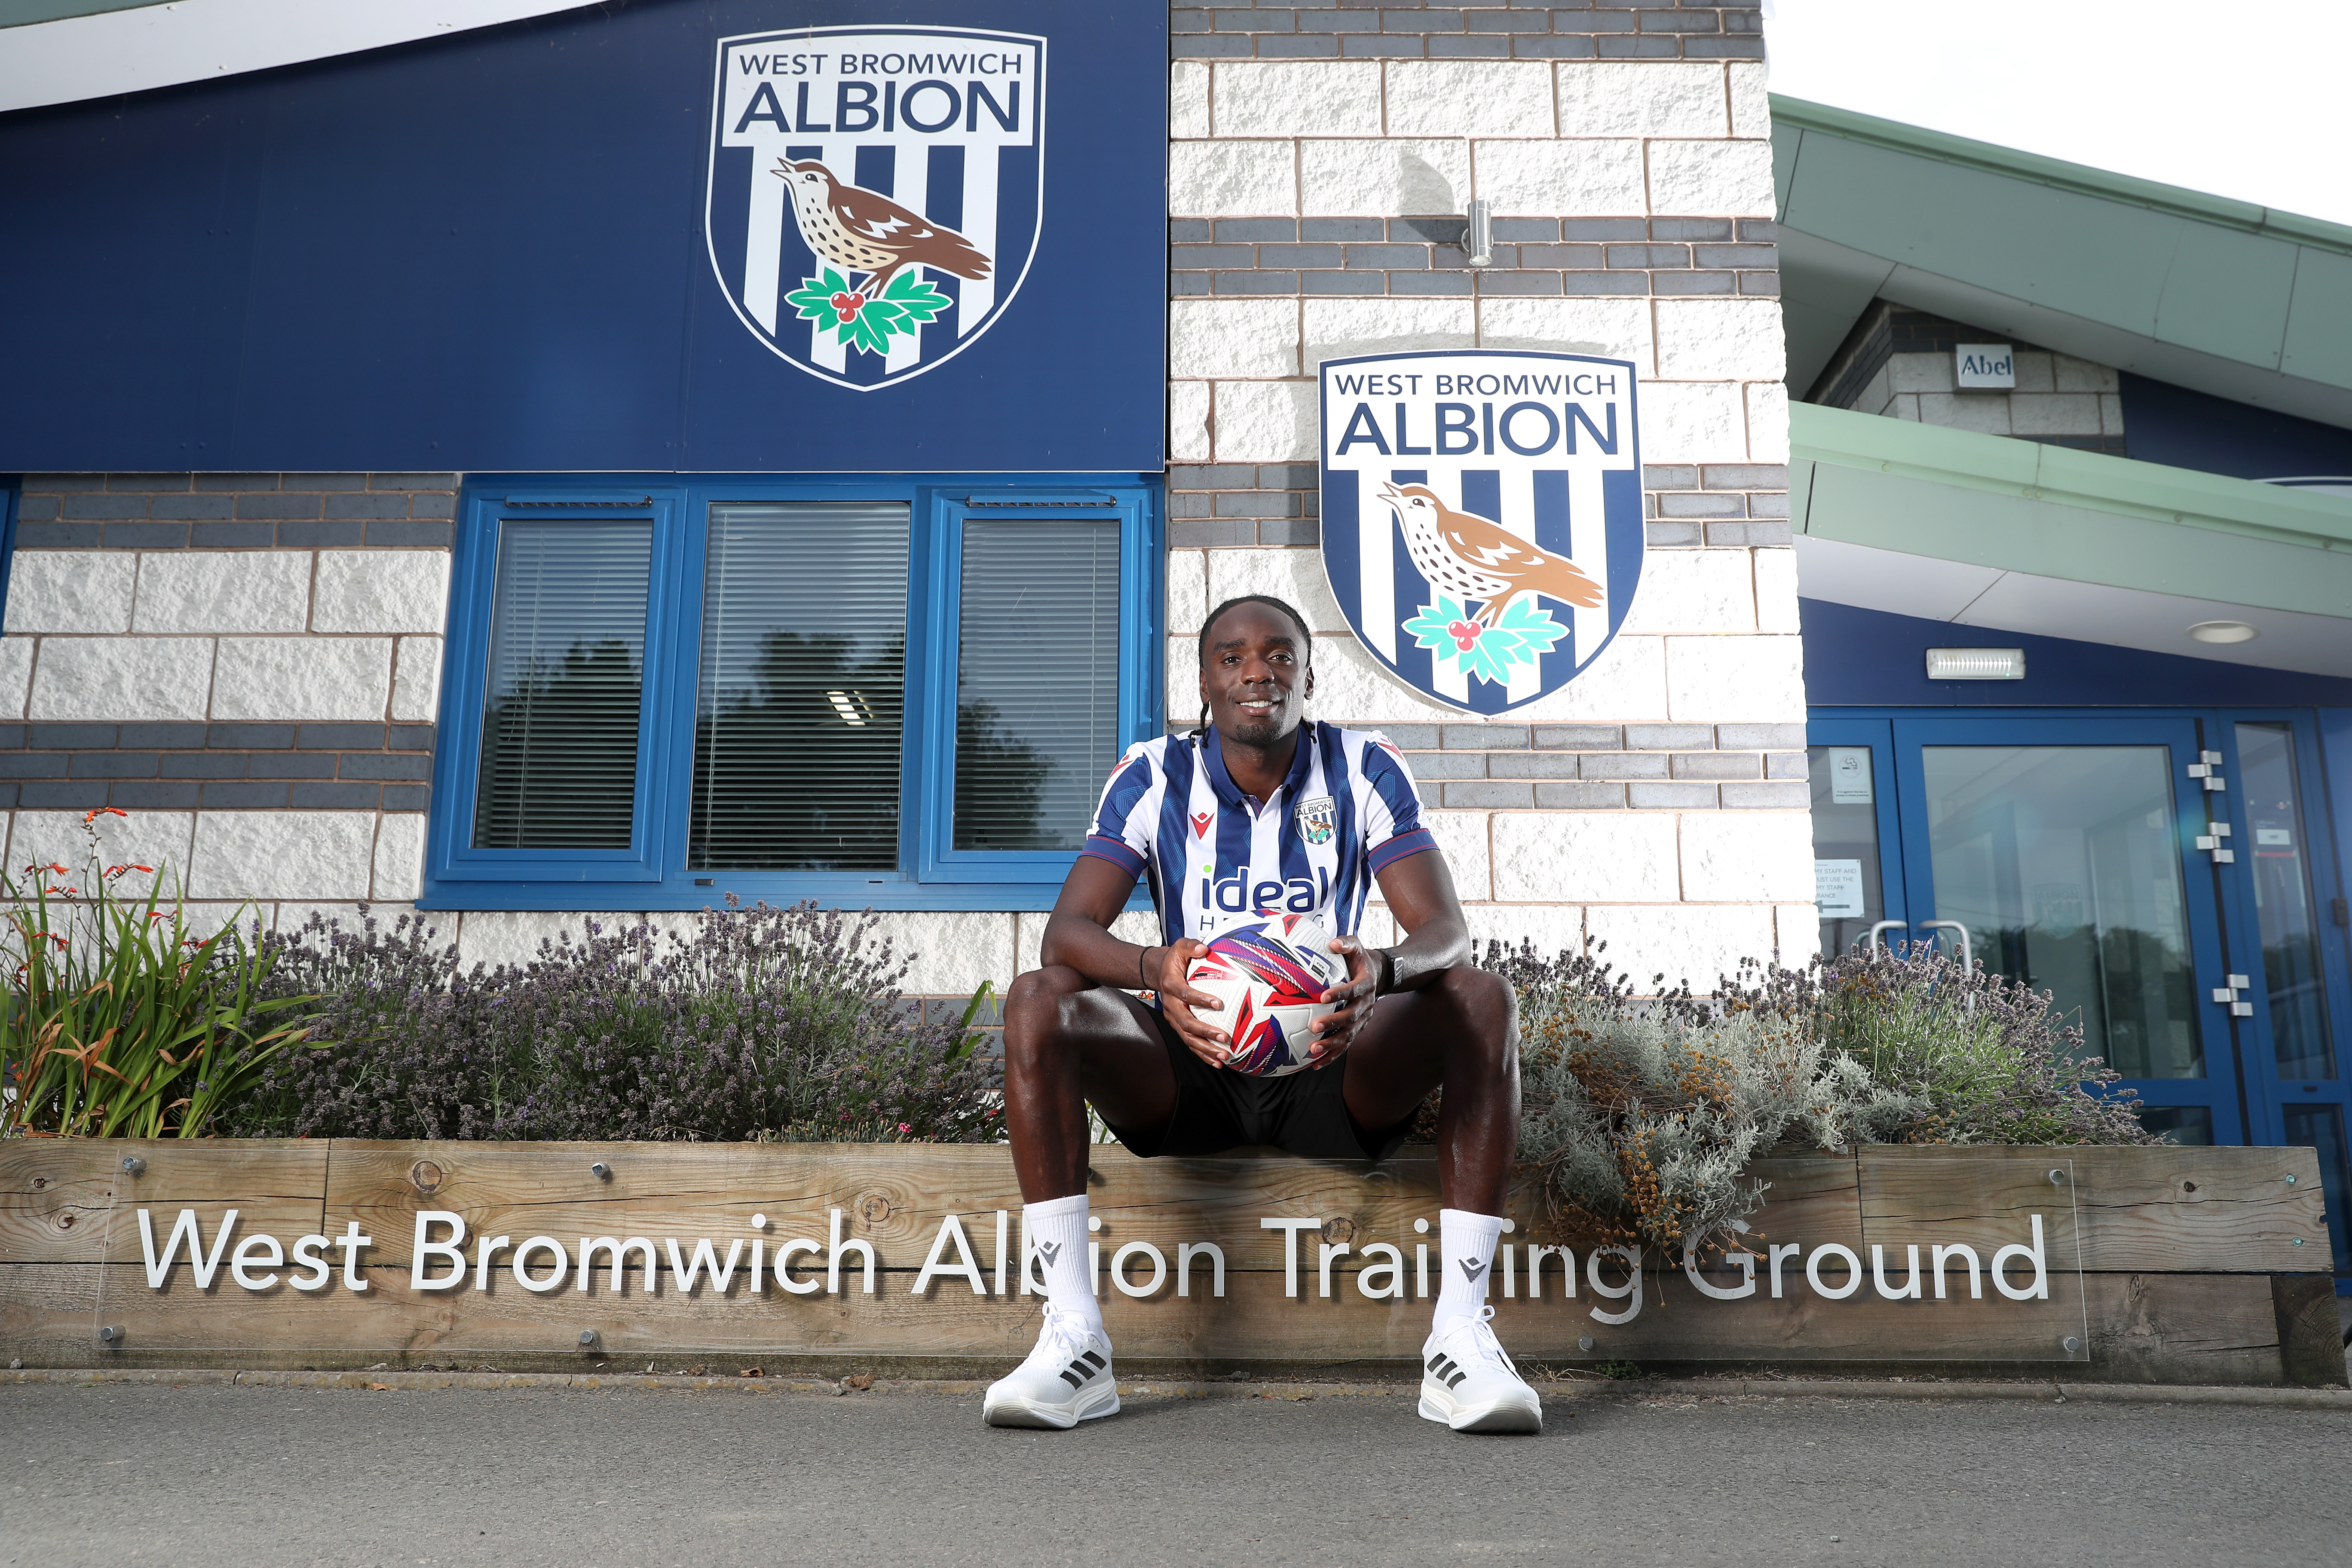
(1837, 889)
(1849, 775)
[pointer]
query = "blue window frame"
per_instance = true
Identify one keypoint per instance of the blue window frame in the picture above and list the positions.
(1002, 576)
(10, 487)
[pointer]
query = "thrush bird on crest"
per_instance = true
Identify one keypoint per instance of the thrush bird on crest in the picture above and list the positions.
(860, 230)
(1476, 558)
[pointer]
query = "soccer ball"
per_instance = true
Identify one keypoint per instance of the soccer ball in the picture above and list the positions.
(1270, 974)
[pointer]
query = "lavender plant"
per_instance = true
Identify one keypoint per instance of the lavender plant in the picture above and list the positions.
(750, 1023)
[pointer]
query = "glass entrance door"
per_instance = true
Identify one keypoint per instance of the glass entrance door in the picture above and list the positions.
(2289, 987)
(2155, 873)
(2057, 854)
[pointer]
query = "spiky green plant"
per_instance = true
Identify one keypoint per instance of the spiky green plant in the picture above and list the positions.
(120, 1021)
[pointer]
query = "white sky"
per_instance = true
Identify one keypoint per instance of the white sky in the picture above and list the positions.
(2240, 101)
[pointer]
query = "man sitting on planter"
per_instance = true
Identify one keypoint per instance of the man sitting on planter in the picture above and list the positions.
(1261, 795)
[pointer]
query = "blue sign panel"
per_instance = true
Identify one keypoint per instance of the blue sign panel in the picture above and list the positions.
(666, 236)
(1481, 516)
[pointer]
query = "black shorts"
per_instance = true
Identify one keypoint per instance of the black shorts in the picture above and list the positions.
(1303, 1113)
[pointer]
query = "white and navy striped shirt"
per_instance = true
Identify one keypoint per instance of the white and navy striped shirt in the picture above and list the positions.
(1216, 858)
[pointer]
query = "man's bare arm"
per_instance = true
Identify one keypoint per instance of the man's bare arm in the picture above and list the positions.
(1419, 893)
(1078, 937)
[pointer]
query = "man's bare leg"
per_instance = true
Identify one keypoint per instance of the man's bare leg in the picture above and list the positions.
(1069, 1041)
(1461, 1035)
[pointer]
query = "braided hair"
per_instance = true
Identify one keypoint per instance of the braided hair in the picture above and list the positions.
(1306, 638)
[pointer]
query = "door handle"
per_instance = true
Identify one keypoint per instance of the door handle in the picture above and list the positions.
(1871, 940)
(1968, 959)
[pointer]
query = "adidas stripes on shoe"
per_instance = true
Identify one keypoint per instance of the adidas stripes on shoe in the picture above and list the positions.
(1066, 1379)
(1468, 1383)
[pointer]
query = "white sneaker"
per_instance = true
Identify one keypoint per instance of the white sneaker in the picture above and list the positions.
(1066, 1379)
(1470, 1384)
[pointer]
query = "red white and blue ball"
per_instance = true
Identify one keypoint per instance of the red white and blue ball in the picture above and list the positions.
(1270, 974)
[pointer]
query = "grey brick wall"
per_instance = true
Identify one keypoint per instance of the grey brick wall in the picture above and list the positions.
(239, 767)
(234, 511)
(1420, 256)
(1505, 30)
(1717, 503)
(1599, 767)
(1223, 504)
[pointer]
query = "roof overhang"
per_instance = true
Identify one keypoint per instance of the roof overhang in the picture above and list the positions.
(2242, 301)
(64, 51)
(1986, 531)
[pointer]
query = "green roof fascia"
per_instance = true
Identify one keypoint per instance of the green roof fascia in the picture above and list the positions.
(2018, 506)
(2092, 480)
(2079, 178)
(31, 13)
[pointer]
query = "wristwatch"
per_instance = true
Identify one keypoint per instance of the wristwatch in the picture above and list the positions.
(1384, 980)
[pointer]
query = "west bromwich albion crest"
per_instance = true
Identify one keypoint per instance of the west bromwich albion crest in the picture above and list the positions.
(1481, 516)
(874, 191)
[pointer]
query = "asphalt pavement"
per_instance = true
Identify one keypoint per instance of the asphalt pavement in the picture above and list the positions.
(197, 1476)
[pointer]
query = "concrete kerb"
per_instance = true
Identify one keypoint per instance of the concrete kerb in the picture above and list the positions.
(1558, 1390)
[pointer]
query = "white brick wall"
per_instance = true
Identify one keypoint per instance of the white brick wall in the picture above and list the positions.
(1580, 139)
(229, 637)
(106, 637)
(1711, 639)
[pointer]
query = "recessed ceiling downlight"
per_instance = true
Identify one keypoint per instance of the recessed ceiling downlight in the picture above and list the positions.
(2223, 632)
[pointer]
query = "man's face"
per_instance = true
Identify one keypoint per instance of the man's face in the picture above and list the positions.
(1253, 676)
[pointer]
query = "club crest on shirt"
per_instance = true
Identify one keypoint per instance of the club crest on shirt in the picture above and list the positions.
(874, 193)
(1318, 819)
(1481, 516)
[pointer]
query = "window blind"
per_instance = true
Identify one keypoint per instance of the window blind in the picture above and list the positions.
(1037, 680)
(803, 687)
(566, 675)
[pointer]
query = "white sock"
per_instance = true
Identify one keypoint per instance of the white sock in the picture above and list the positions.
(1466, 1243)
(1057, 1237)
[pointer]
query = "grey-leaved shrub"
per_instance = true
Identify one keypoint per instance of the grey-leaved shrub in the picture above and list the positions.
(1642, 1114)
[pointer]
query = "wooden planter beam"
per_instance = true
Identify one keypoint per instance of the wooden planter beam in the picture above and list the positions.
(2168, 1265)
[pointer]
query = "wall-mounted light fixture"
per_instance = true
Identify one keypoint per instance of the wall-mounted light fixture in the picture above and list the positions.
(1975, 664)
(1479, 239)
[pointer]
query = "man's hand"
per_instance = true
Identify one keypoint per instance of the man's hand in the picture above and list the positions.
(1351, 1001)
(1181, 1003)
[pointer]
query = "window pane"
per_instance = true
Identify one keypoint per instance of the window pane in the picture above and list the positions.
(2283, 900)
(2189, 1124)
(1846, 881)
(803, 687)
(1037, 680)
(2063, 863)
(566, 674)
